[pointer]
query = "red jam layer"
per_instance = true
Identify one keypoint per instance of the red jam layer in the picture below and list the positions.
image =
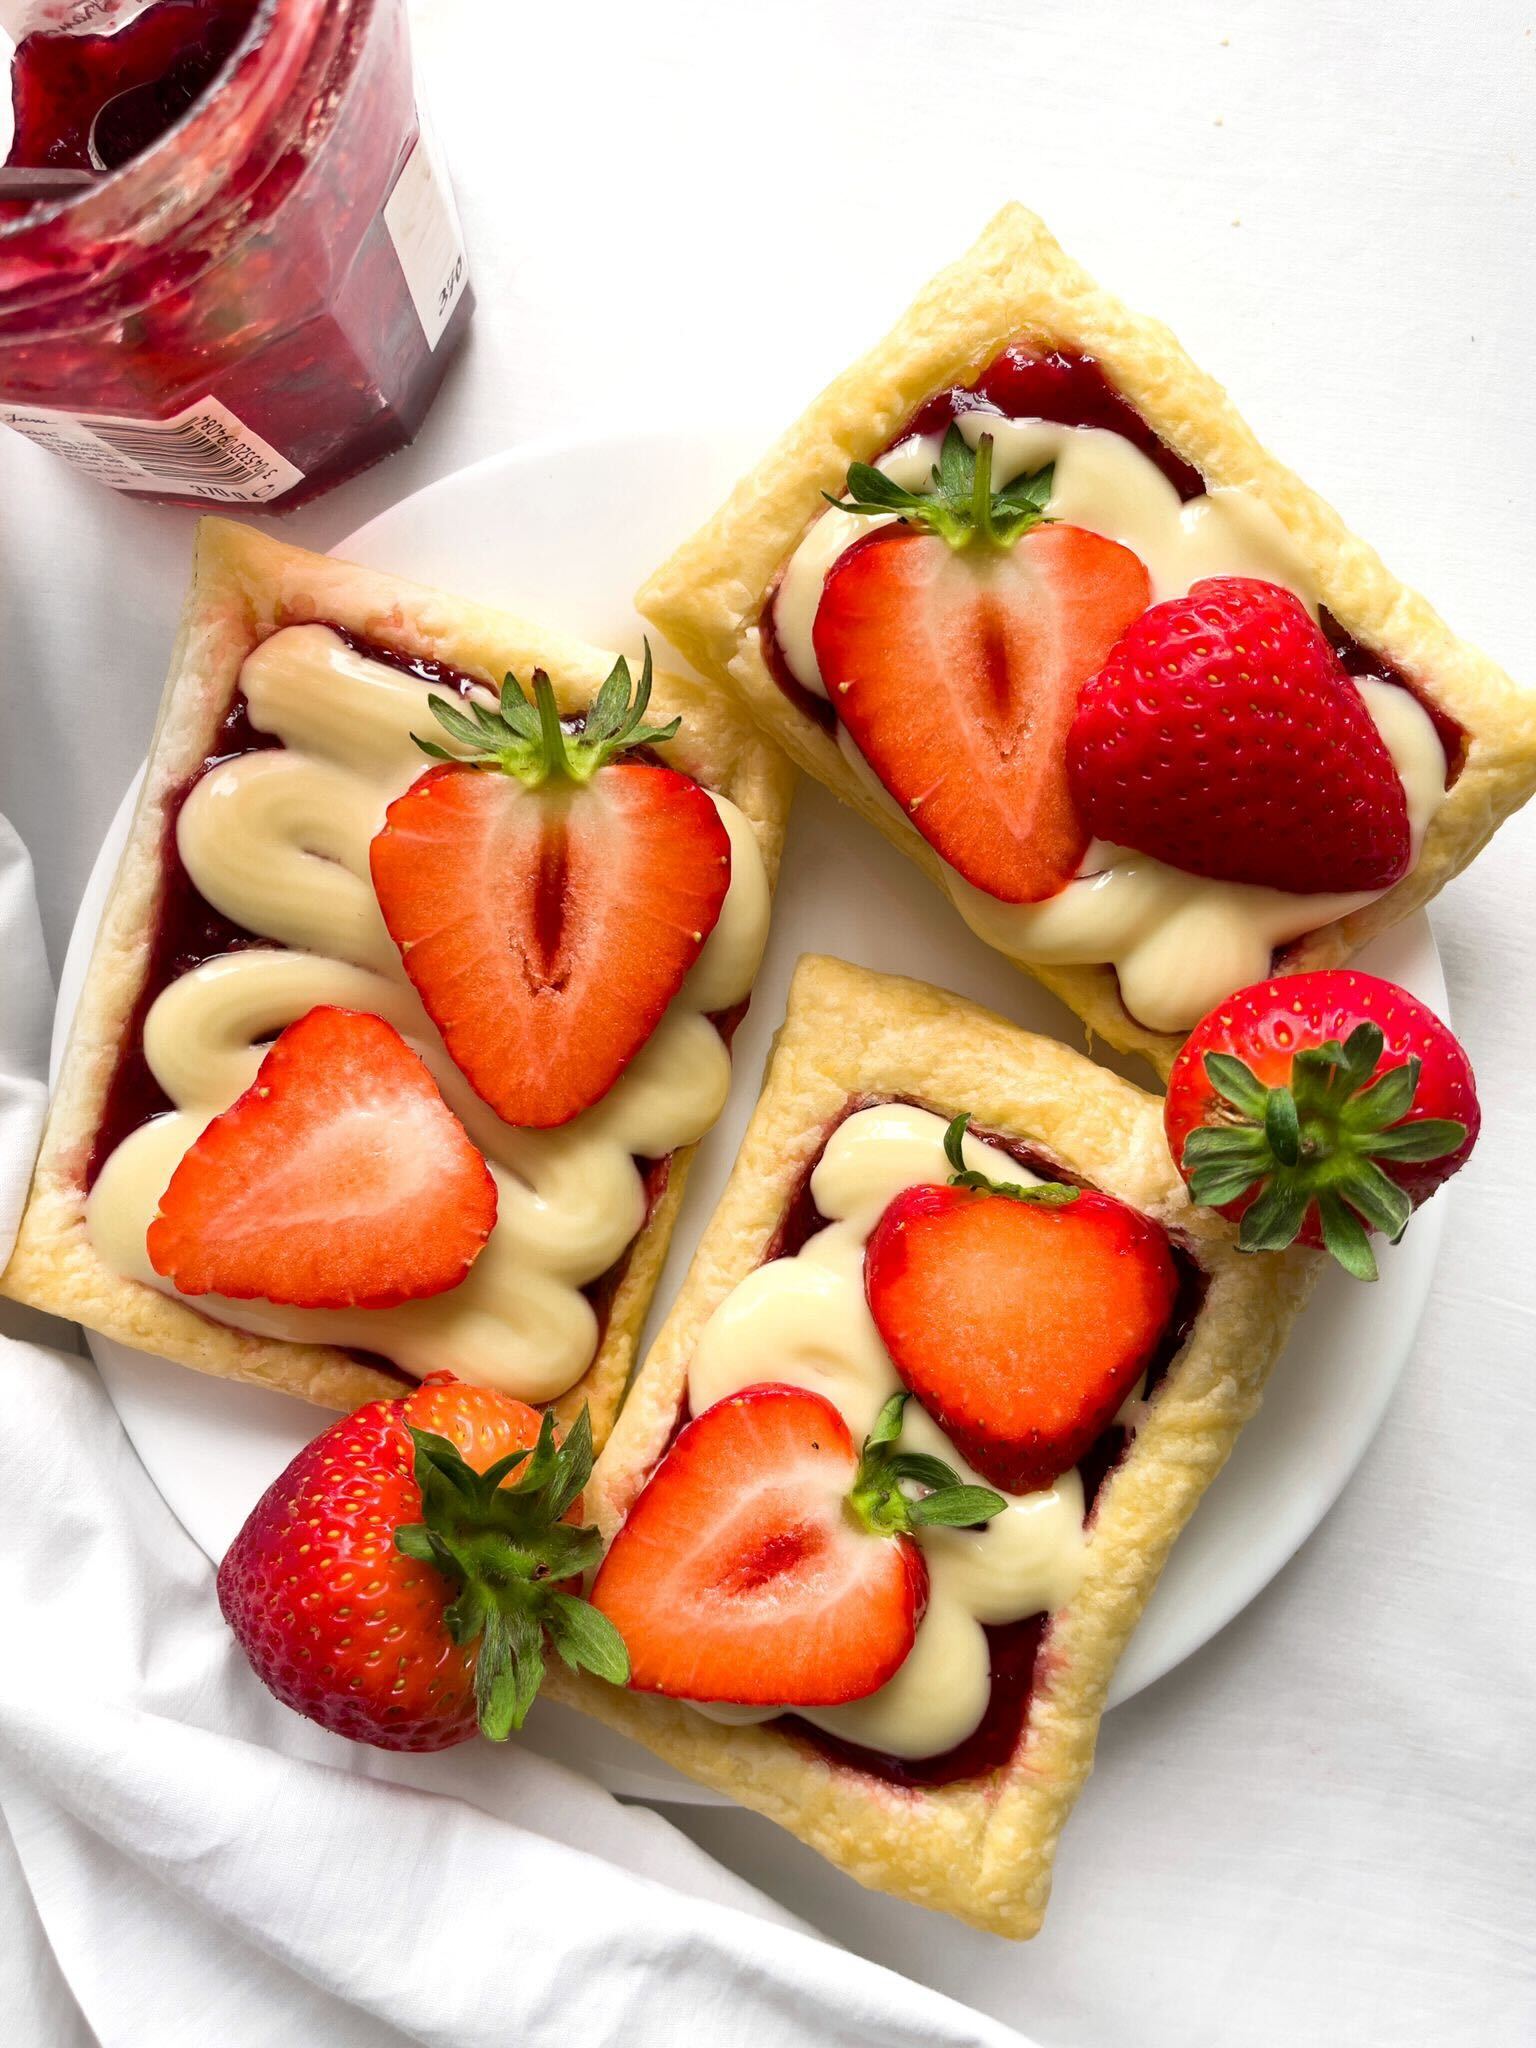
(1073, 391)
(120, 92)
(1360, 661)
(1014, 1646)
(1012, 1651)
(188, 931)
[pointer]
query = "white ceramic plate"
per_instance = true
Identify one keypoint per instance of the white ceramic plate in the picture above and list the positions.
(564, 532)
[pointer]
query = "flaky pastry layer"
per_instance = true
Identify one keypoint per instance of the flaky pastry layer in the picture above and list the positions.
(1016, 283)
(981, 1850)
(246, 586)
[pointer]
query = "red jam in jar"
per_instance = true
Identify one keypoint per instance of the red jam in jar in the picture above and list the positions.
(247, 278)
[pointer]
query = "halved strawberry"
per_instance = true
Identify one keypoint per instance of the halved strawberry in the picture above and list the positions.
(1317, 1108)
(1020, 1317)
(953, 646)
(339, 1179)
(1224, 736)
(547, 896)
(767, 1563)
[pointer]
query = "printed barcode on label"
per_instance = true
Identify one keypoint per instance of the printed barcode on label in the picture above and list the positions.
(188, 453)
(205, 451)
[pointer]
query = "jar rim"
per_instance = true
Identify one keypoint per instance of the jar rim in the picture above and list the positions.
(144, 202)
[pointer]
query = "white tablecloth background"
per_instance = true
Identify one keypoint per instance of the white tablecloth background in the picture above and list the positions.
(1320, 1829)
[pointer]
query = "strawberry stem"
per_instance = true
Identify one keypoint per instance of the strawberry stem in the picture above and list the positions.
(1317, 1141)
(961, 505)
(981, 492)
(506, 1546)
(528, 740)
(1045, 1194)
(879, 1503)
(555, 760)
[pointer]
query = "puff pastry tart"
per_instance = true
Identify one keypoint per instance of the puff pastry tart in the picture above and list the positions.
(890, 1624)
(414, 991)
(1114, 678)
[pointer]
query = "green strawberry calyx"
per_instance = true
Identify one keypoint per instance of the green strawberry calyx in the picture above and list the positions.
(524, 737)
(1044, 1194)
(879, 1501)
(1322, 1140)
(962, 507)
(509, 1551)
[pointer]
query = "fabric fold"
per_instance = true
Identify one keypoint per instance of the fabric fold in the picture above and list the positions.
(184, 1861)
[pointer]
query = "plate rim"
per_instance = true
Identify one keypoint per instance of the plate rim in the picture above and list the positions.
(1176, 1644)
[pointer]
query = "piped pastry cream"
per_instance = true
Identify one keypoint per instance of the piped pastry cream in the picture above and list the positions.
(277, 840)
(970, 1829)
(1178, 942)
(1101, 482)
(905, 620)
(804, 1321)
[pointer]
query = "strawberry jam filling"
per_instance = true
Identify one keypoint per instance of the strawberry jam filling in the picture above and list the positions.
(189, 930)
(1014, 1647)
(1067, 389)
(256, 266)
(92, 102)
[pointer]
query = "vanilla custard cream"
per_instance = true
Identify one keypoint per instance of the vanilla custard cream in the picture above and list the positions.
(278, 841)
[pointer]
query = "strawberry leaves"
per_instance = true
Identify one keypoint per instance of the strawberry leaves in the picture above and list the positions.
(1320, 1139)
(962, 507)
(506, 1546)
(1046, 1194)
(878, 1499)
(525, 738)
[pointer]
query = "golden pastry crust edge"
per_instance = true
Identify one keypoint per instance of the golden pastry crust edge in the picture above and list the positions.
(244, 586)
(1017, 280)
(981, 1851)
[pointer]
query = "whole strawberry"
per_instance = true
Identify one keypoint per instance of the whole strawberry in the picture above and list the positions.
(399, 1581)
(1224, 736)
(1318, 1108)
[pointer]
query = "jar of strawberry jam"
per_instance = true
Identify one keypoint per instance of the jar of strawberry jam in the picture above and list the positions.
(230, 264)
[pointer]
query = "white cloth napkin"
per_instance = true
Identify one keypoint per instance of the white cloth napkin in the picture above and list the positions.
(184, 1862)
(25, 1002)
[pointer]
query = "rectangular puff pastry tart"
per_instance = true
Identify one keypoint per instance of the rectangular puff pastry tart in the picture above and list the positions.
(1113, 677)
(910, 1677)
(413, 994)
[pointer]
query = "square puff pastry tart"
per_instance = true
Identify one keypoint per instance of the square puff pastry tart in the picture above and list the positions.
(245, 589)
(980, 1848)
(1017, 285)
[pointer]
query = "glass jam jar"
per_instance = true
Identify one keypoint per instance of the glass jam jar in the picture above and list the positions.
(252, 286)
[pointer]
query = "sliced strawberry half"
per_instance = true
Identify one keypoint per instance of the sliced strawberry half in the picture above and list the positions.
(339, 1179)
(767, 1563)
(1020, 1317)
(953, 646)
(548, 897)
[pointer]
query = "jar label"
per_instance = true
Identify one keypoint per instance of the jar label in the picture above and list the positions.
(423, 224)
(204, 451)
